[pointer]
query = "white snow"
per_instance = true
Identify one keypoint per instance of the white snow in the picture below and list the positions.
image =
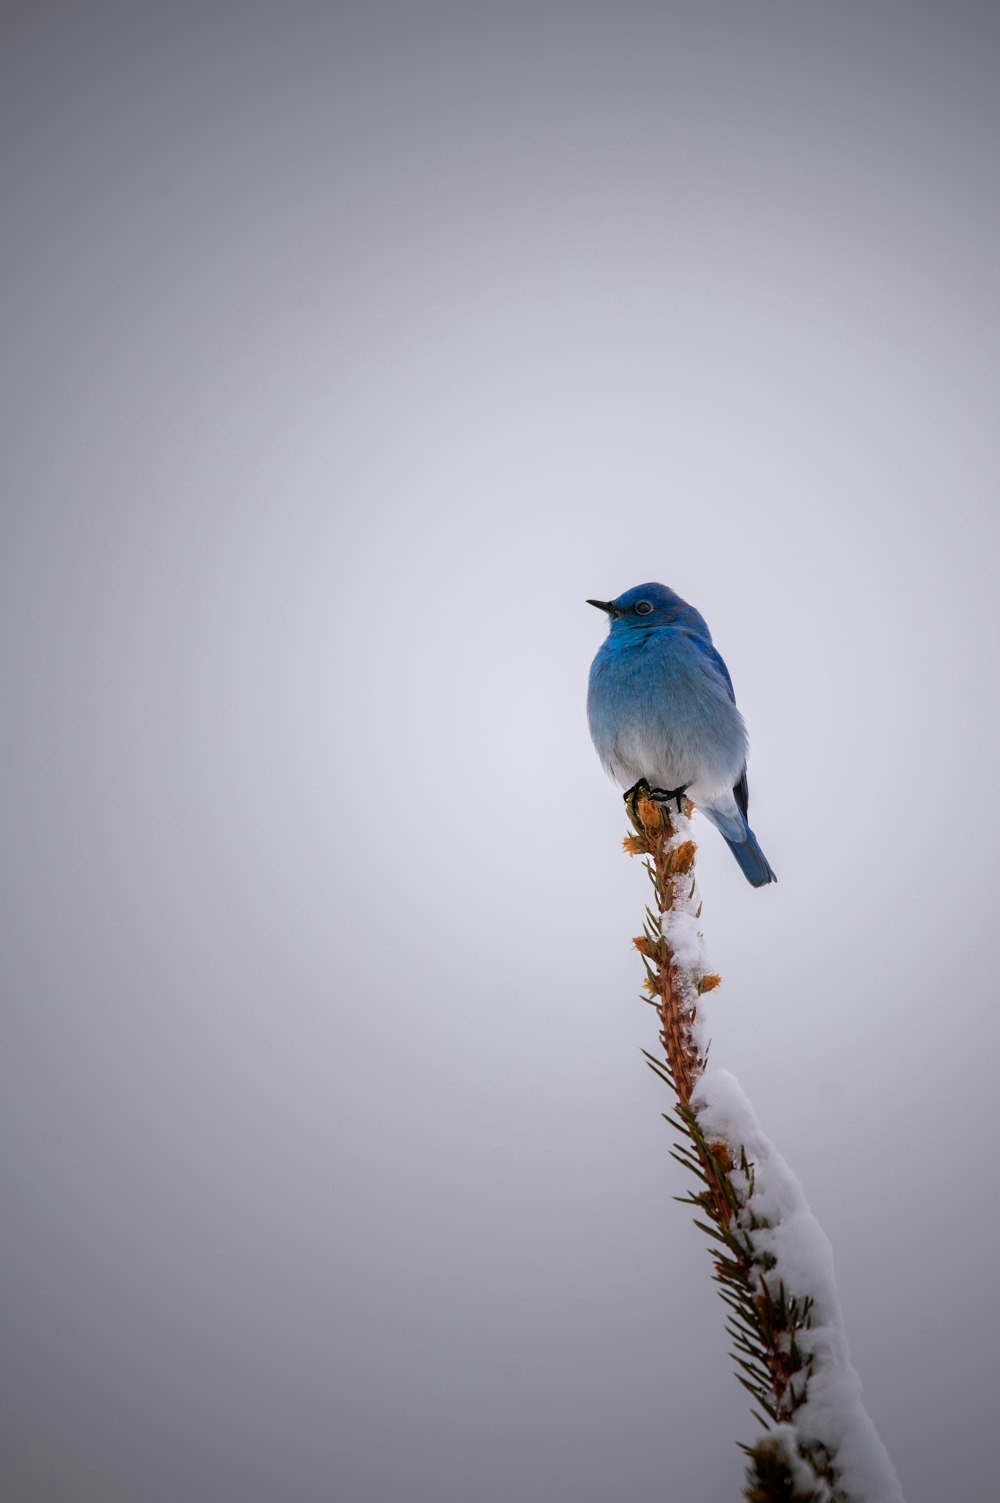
(682, 931)
(833, 1413)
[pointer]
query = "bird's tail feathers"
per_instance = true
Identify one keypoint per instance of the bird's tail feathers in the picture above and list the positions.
(742, 841)
(753, 863)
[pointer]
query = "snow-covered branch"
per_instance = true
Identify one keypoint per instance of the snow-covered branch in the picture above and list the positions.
(772, 1261)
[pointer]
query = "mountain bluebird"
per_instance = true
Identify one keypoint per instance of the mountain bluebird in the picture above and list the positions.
(663, 715)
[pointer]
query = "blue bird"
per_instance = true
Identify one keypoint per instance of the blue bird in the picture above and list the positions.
(663, 715)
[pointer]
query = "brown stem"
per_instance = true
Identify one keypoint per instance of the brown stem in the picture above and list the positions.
(656, 829)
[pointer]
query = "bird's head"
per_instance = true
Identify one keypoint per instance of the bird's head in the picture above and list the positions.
(644, 606)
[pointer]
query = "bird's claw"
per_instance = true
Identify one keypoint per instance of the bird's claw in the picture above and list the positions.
(668, 795)
(631, 798)
(655, 795)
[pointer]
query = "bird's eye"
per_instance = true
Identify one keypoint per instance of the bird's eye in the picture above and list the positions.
(643, 608)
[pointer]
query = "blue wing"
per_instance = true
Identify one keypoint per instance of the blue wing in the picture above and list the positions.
(741, 792)
(715, 658)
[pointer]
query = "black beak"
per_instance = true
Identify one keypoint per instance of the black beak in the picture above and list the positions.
(605, 605)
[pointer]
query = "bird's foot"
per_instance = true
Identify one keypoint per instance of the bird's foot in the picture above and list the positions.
(667, 795)
(637, 790)
(663, 796)
(632, 796)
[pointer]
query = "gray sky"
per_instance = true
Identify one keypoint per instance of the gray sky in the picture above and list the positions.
(346, 350)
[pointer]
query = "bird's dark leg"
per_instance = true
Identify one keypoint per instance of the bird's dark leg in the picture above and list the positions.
(658, 795)
(666, 795)
(636, 789)
(632, 796)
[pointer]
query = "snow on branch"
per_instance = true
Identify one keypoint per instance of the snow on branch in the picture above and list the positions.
(772, 1261)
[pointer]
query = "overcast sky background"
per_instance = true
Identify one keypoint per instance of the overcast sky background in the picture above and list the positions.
(346, 349)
